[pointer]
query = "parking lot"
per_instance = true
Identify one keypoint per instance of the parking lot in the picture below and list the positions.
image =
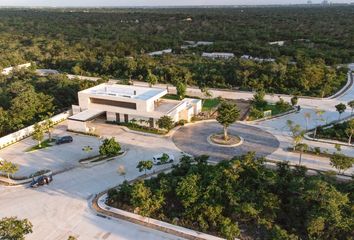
(56, 158)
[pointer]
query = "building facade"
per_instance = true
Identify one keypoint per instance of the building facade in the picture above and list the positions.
(125, 103)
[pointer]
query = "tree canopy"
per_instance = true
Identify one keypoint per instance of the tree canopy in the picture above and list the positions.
(242, 198)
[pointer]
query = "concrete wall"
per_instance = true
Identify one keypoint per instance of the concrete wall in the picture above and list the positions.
(111, 116)
(77, 126)
(28, 131)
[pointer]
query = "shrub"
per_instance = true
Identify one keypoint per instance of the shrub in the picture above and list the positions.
(255, 113)
(110, 147)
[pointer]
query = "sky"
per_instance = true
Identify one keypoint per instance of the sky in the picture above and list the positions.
(98, 3)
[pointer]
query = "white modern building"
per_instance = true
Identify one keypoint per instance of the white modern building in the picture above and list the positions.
(124, 103)
(215, 55)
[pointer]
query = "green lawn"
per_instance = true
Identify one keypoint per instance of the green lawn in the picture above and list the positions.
(275, 110)
(171, 97)
(209, 104)
(45, 144)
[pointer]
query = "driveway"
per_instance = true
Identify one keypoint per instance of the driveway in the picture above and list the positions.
(62, 208)
(192, 139)
(56, 158)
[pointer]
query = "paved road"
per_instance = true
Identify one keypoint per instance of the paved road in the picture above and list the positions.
(192, 139)
(61, 209)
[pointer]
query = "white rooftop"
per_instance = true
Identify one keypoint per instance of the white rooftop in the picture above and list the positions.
(126, 91)
(86, 115)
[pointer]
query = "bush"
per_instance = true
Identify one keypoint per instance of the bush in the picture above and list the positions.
(282, 105)
(255, 113)
(110, 148)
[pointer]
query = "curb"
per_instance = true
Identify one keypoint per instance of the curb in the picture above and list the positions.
(225, 146)
(98, 206)
(321, 140)
(12, 182)
(92, 164)
(273, 117)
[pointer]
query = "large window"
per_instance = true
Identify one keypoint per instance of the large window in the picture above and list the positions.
(113, 103)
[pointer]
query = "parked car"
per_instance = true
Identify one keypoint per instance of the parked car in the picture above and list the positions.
(163, 158)
(1, 161)
(65, 139)
(40, 181)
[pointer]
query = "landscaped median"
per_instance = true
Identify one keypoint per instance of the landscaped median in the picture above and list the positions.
(334, 133)
(13, 181)
(196, 199)
(100, 158)
(100, 206)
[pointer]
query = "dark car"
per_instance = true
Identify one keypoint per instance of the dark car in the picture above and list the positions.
(40, 181)
(65, 139)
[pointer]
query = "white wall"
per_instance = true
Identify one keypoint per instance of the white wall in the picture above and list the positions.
(26, 132)
(77, 126)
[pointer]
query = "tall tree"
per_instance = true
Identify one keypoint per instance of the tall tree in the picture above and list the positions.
(181, 89)
(228, 113)
(38, 133)
(48, 127)
(350, 130)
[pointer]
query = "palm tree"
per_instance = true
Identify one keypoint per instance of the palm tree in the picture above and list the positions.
(319, 114)
(48, 126)
(301, 147)
(307, 116)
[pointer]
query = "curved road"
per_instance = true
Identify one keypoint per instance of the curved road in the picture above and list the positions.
(192, 139)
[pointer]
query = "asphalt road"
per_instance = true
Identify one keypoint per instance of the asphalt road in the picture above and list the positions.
(192, 139)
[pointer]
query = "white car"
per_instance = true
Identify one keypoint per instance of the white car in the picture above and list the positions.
(163, 158)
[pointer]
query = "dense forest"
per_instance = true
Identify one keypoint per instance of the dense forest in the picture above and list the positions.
(115, 43)
(26, 98)
(243, 198)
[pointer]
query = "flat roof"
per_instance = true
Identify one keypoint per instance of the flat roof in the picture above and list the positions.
(125, 91)
(166, 105)
(86, 115)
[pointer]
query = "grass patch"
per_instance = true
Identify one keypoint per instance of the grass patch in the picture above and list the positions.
(275, 109)
(209, 104)
(45, 144)
(171, 97)
(99, 158)
(258, 113)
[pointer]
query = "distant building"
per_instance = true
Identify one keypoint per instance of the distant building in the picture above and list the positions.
(191, 44)
(279, 43)
(159, 53)
(8, 70)
(46, 72)
(125, 103)
(215, 55)
(257, 59)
